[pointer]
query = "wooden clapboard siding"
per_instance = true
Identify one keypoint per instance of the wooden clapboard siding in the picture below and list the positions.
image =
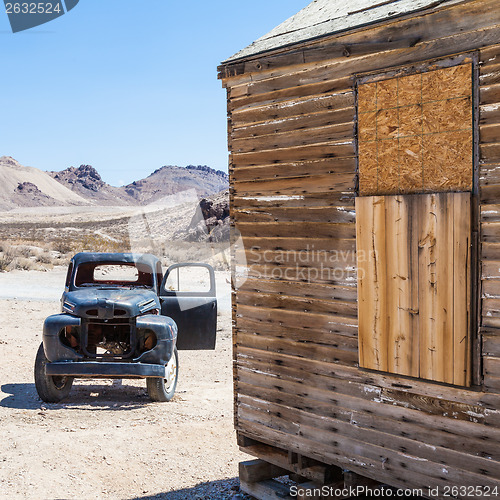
(299, 289)
(299, 303)
(489, 138)
(333, 423)
(491, 344)
(344, 247)
(333, 86)
(343, 276)
(339, 149)
(318, 119)
(304, 200)
(293, 169)
(296, 185)
(308, 321)
(337, 131)
(340, 449)
(297, 229)
(451, 402)
(461, 437)
(337, 166)
(340, 258)
(295, 214)
(275, 156)
(290, 109)
(414, 298)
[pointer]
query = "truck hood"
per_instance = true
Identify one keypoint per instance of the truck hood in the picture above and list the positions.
(108, 303)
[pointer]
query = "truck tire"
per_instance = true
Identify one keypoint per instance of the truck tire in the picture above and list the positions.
(50, 389)
(163, 389)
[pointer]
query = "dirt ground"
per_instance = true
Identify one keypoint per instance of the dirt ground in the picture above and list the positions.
(107, 440)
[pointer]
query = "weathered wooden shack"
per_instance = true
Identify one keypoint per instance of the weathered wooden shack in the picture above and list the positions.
(364, 143)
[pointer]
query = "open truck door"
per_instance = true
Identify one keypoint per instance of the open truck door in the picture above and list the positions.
(188, 296)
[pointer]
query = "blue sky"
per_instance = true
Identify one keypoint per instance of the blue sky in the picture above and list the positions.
(126, 86)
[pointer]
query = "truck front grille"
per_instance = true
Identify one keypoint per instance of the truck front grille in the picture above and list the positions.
(95, 312)
(105, 339)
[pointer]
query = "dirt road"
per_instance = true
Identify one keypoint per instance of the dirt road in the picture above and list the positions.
(107, 440)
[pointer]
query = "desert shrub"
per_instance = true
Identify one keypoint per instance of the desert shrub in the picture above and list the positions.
(10, 251)
(215, 254)
(24, 251)
(44, 258)
(22, 264)
(62, 246)
(63, 260)
(98, 243)
(40, 263)
(4, 263)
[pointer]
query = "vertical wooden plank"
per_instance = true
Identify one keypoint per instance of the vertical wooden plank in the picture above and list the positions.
(444, 288)
(402, 299)
(380, 353)
(426, 207)
(364, 229)
(462, 289)
(390, 277)
(414, 319)
(372, 288)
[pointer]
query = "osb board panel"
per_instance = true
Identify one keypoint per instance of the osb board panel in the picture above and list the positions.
(413, 285)
(415, 133)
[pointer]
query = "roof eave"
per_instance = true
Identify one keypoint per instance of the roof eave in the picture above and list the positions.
(234, 62)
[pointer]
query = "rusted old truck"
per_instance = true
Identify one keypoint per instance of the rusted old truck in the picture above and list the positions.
(364, 143)
(122, 318)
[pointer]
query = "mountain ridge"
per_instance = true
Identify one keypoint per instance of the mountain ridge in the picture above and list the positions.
(171, 179)
(83, 185)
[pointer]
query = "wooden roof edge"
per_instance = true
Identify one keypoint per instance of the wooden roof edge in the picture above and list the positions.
(294, 52)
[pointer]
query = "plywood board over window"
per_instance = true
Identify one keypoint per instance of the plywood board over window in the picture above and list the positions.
(414, 285)
(415, 133)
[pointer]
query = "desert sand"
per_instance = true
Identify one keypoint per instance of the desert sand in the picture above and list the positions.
(107, 440)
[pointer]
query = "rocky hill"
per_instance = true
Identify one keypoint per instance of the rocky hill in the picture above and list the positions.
(30, 187)
(171, 179)
(86, 181)
(210, 222)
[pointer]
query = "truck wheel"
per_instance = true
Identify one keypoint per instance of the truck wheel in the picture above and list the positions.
(162, 389)
(50, 389)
